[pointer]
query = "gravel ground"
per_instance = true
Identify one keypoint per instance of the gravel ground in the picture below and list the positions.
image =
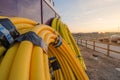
(99, 66)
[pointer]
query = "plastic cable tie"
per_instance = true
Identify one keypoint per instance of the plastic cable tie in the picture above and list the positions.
(6, 34)
(55, 65)
(58, 42)
(34, 38)
(10, 27)
(52, 58)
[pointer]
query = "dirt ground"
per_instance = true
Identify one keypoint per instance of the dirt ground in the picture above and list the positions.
(99, 66)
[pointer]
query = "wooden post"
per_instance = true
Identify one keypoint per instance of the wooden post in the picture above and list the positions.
(94, 45)
(81, 41)
(77, 41)
(86, 43)
(108, 49)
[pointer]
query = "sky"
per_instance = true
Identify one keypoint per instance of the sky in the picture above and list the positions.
(90, 15)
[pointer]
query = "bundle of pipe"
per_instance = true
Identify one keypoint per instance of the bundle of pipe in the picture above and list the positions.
(26, 61)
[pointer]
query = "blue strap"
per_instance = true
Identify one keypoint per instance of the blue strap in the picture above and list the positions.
(6, 33)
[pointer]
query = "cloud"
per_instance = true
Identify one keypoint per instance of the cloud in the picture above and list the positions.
(87, 14)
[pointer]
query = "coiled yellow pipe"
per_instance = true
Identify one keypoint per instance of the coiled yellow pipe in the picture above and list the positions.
(26, 61)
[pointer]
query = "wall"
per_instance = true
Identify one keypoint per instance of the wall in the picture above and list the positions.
(38, 10)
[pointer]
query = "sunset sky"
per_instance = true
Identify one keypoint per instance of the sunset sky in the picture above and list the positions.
(90, 15)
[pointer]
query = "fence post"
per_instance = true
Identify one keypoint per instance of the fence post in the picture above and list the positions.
(77, 41)
(81, 41)
(86, 43)
(94, 45)
(108, 49)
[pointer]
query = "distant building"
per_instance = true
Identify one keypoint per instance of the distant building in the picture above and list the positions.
(95, 33)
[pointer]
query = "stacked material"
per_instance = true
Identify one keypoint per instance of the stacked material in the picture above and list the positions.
(36, 52)
(63, 30)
